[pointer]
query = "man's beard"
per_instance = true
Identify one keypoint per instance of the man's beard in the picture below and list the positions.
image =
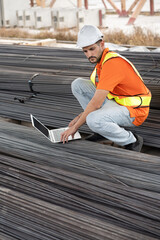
(96, 59)
(93, 58)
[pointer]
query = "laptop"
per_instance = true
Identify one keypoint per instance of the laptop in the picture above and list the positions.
(54, 135)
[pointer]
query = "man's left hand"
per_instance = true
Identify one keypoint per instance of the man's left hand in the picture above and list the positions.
(65, 135)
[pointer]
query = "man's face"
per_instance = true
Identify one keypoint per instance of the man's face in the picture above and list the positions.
(94, 52)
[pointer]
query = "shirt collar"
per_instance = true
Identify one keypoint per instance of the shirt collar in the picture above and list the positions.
(106, 50)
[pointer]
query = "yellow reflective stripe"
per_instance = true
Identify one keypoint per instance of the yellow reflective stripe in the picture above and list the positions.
(107, 57)
(110, 55)
(93, 76)
(132, 67)
(134, 101)
(113, 54)
(131, 101)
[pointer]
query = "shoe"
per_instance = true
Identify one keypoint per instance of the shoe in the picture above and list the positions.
(136, 146)
(94, 137)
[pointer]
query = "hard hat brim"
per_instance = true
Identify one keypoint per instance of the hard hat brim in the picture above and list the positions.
(89, 43)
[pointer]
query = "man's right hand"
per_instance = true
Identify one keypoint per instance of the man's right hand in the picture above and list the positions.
(74, 120)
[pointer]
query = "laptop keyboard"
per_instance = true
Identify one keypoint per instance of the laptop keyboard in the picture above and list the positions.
(57, 134)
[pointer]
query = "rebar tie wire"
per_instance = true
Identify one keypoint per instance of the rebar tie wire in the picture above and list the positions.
(30, 83)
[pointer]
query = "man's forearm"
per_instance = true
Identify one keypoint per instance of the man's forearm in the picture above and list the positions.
(95, 103)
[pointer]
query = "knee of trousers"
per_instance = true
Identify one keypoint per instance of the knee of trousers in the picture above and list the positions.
(76, 85)
(93, 121)
(96, 122)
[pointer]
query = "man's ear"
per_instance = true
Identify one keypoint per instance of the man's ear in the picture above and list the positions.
(102, 44)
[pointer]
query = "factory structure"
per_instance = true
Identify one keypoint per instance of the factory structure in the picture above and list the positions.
(45, 14)
(59, 14)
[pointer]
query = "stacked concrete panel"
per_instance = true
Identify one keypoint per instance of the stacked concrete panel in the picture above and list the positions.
(91, 16)
(22, 15)
(8, 11)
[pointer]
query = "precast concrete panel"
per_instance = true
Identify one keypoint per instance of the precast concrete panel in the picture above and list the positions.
(54, 19)
(10, 8)
(29, 18)
(1, 13)
(67, 18)
(20, 18)
(43, 18)
(90, 16)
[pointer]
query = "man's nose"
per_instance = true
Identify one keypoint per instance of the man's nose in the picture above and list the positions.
(89, 54)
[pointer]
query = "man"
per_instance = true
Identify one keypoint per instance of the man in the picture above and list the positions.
(115, 96)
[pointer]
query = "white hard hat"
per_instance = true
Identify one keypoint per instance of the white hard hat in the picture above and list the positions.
(88, 35)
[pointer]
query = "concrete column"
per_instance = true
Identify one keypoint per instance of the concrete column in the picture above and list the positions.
(32, 3)
(151, 7)
(136, 12)
(123, 9)
(1, 13)
(100, 18)
(104, 4)
(86, 4)
(132, 6)
(52, 3)
(114, 6)
(79, 3)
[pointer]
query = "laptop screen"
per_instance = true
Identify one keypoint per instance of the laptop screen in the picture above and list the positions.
(40, 127)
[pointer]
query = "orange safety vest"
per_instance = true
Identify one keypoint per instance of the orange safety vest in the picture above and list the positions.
(136, 101)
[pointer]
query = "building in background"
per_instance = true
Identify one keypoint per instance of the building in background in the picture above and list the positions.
(48, 13)
(60, 14)
(8, 10)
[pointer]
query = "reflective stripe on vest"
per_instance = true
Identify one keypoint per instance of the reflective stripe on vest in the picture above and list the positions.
(134, 101)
